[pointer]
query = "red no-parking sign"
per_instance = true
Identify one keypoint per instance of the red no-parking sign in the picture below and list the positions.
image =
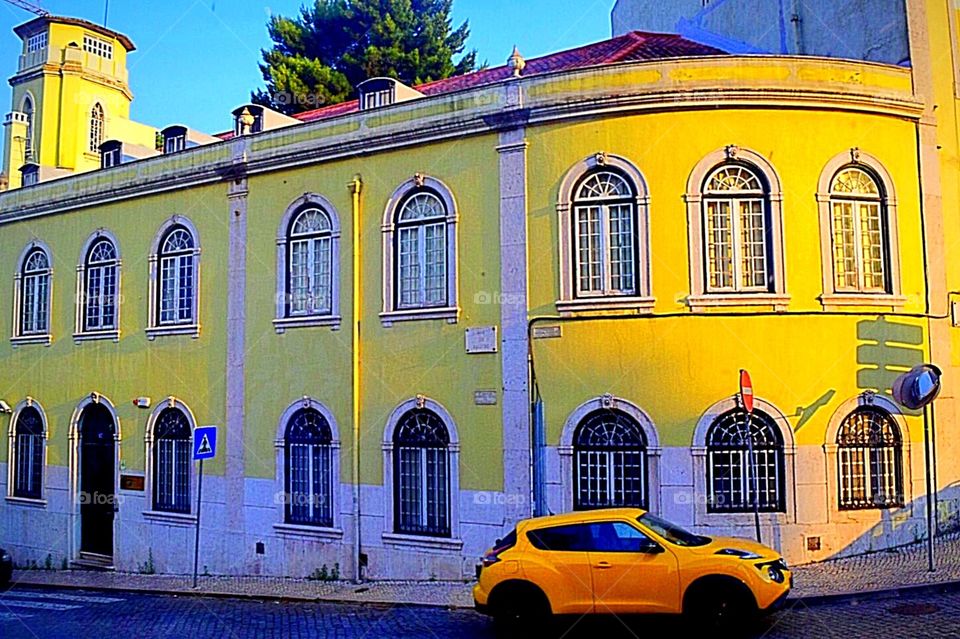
(746, 391)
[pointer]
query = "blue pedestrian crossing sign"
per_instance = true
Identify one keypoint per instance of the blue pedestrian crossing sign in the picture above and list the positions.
(204, 442)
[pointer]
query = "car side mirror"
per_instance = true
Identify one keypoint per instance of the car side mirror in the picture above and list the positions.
(651, 548)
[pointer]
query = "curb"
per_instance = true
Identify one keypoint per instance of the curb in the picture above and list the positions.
(941, 587)
(206, 594)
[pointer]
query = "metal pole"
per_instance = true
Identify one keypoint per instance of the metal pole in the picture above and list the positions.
(753, 476)
(930, 490)
(196, 540)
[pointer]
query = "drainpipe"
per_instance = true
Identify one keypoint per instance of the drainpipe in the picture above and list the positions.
(355, 186)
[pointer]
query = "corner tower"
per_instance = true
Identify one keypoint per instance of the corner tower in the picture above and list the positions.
(70, 94)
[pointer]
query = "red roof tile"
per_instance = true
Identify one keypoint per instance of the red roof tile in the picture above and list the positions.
(630, 47)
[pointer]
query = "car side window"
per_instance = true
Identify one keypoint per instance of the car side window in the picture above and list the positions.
(573, 538)
(617, 536)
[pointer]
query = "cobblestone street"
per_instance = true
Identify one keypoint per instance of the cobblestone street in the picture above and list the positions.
(49, 614)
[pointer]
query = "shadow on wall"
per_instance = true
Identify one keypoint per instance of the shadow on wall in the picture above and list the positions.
(886, 350)
(906, 524)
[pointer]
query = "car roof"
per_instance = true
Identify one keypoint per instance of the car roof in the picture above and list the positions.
(582, 516)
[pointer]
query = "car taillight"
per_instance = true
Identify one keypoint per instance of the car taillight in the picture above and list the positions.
(492, 556)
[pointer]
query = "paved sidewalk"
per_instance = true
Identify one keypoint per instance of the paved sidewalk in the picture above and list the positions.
(861, 575)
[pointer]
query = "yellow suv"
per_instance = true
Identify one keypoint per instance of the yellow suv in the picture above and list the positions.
(626, 561)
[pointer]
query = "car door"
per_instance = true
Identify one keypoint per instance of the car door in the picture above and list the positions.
(632, 573)
(559, 565)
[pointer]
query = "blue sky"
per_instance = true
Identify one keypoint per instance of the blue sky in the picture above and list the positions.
(197, 59)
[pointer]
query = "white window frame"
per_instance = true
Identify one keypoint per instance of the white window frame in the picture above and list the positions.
(159, 516)
(37, 42)
(29, 147)
(13, 454)
(98, 127)
(831, 299)
(98, 47)
(21, 337)
(282, 320)
(568, 435)
(392, 312)
(700, 297)
(336, 487)
(569, 302)
(155, 328)
(453, 543)
(80, 332)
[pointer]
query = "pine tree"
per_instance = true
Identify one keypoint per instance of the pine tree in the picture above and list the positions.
(320, 56)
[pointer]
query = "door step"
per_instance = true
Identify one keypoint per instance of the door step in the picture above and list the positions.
(92, 561)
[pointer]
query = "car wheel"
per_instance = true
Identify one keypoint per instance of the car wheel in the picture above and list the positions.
(519, 610)
(721, 610)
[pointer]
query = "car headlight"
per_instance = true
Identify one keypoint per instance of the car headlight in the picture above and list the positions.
(774, 574)
(741, 554)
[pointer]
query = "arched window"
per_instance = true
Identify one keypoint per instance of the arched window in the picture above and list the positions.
(96, 128)
(736, 231)
(861, 250)
(28, 454)
(27, 110)
(178, 278)
(421, 467)
(610, 469)
(605, 235)
(100, 287)
(734, 479)
(309, 272)
(309, 470)
(172, 460)
(35, 293)
(421, 251)
(869, 460)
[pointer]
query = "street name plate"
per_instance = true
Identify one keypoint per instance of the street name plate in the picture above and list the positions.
(481, 339)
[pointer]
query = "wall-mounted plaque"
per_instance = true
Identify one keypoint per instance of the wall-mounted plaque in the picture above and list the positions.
(482, 339)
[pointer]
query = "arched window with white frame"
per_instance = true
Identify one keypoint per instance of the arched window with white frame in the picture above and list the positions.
(97, 127)
(172, 461)
(34, 293)
(745, 463)
(859, 232)
(27, 108)
(308, 469)
(310, 269)
(174, 280)
(419, 252)
(421, 474)
(101, 287)
(870, 460)
(610, 462)
(27, 449)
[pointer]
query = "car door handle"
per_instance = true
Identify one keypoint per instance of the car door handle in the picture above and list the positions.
(603, 565)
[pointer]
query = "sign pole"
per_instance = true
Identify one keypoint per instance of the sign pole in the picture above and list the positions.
(196, 539)
(746, 402)
(930, 490)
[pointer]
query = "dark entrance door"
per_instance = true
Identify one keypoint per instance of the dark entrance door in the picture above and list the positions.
(97, 491)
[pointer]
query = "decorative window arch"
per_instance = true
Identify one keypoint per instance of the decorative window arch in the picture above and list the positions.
(27, 451)
(98, 288)
(421, 457)
(858, 232)
(32, 295)
(170, 453)
(733, 485)
(603, 217)
(308, 469)
(308, 264)
(97, 127)
(420, 252)
(175, 280)
(870, 457)
(734, 215)
(28, 109)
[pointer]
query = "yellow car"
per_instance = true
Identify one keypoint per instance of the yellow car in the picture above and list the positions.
(626, 561)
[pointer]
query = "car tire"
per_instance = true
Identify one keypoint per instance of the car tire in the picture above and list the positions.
(518, 610)
(720, 609)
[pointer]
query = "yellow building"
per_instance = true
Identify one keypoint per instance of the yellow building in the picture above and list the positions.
(368, 300)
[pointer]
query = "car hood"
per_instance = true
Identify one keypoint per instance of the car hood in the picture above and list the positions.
(718, 544)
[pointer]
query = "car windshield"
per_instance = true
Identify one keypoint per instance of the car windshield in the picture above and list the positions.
(671, 532)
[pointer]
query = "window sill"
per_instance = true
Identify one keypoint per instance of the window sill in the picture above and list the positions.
(449, 313)
(92, 336)
(28, 502)
(443, 544)
(308, 532)
(23, 340)
(741, 519)
(638, 304)
(718, 300)
(281, 324)
(193, 330)
(175, 519)
(834, 300)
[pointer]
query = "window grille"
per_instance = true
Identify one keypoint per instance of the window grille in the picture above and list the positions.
(733, 478)
(869, 457)
(309, 472)
(173, 453)
(611, 464)
(28, 454)
(422, 475)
